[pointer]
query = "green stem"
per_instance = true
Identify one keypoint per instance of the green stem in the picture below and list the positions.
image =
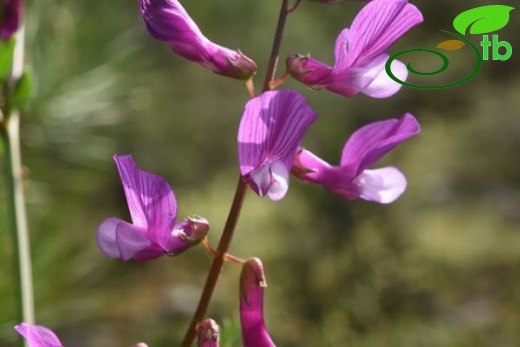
(238, 200)
(10, 133)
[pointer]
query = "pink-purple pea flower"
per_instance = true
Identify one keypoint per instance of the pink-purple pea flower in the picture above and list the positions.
(38, 336)
(360, 53)
(168, 21)
(10, 16)
(252, 284)
(153, 209)
(352, 179)
(270, 133)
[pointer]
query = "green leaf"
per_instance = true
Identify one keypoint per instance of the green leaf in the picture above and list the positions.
(6, 58)
(483, 19)
(22, 91)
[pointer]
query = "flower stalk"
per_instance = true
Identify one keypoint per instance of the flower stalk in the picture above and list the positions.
(238, 200)
(10, 134)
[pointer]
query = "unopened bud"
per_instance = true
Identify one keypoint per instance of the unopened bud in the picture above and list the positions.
(208, 333)
(252, 284)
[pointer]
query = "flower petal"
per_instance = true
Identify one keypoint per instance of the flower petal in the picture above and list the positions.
(252, 284)
(340, 49)
(368, 144)
(377, 26)
(150, 200)
(382, 86)
(167, 20)
(307, 70)
(106, 237)
(133, 243)
(383, 185)
(309, 166)
(271, 130)
(38, 336)
(280, 184)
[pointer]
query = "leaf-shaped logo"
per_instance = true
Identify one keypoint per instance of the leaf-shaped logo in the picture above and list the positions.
(451, 45)
(483, 19)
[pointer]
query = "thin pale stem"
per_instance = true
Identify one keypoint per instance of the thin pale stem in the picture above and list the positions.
(238, 200)
(14, 177)
(227, 257)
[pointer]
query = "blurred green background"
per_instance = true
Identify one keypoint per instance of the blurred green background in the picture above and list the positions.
(440, 267)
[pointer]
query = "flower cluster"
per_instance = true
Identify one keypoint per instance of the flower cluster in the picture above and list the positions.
(269, 142)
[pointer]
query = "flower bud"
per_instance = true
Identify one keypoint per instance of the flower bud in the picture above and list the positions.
(208, 333)
(10, 18)
(252, 284)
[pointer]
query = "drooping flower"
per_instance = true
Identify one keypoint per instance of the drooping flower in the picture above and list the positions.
(208, 333)
(10, 16)
(153, 209)
(351, 179)
(360, 53)
(38, 336)
(252, 284)
(168, 21)
(270, 132)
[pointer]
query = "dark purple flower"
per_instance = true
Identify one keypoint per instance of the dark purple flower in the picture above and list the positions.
(252, 284)
(271, 130)
(208, 333)
(38, 336)
(168, 21)
(153, 209)
(10, 17)
(360, 53)
(351, 179)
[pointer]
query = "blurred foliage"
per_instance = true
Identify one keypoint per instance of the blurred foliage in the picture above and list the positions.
(440, 267)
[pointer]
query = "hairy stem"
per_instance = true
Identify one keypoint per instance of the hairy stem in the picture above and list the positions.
(238, 200)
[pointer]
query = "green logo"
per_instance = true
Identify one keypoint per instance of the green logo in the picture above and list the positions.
(479, 20)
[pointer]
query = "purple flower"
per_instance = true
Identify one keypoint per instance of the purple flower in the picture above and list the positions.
(168, 21)
(208, 333)
(153, 209)
(10, 15)
(270, 133)
(252, 284)
(351, 179)
(334, 1)
(360, 53)
(38, 336)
